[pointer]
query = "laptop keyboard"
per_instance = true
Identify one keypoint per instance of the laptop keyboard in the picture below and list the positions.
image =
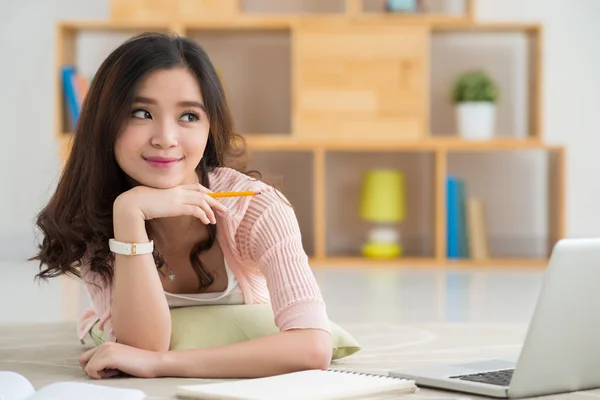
(500, 378)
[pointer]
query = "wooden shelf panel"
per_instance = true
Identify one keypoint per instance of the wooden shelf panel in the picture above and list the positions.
(466, 26)
(260, 22)
(288, 142)
(360, 262)
(438, 22)
(94, 25)
(499, 263)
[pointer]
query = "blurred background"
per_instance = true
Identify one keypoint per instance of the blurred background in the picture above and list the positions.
(415, 138)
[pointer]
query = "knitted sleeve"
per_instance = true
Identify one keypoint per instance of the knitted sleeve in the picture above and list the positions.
(101, 297)
(275, 246)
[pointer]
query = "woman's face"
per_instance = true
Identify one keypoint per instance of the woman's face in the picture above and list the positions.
(166, 132)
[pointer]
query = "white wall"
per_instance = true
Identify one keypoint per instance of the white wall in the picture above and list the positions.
(28, 164)
(571, 85)
(28, 161)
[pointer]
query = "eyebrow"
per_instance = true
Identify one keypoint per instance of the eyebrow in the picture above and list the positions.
(185, 103)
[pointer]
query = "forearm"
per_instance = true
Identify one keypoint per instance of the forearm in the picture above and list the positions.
(280, 353)
(139, 312)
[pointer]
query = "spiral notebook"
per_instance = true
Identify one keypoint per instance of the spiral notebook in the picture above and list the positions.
(306, 385)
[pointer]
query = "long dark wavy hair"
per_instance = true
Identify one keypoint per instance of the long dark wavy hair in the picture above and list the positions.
(77, 222)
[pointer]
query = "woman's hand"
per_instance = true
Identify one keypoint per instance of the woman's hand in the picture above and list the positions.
(153, 203)
(109, 359)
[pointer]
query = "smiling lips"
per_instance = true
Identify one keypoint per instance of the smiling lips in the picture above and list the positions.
(162, 162)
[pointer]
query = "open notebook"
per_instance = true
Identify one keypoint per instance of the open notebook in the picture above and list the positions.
(305, 385)
(14, 386)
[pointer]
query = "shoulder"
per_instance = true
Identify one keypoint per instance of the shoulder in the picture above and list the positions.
(231, 180)
(268, 217)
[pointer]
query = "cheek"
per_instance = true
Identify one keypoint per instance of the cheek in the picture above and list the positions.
(195, 144)
(128, 147)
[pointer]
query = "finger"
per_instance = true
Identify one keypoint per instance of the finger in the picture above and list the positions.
(215, 203)
(91, 370)
(97, 364)
(197, 212)
(85, 357)
(201, 200)
(212, 202)
(109, 373)
(208, 210)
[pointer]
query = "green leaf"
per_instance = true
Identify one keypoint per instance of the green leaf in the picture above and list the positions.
(475, 85)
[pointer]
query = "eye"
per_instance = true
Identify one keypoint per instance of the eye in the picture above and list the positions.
(141, 114)
(190, 117)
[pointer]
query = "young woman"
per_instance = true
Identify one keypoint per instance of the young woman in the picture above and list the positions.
(154, 139)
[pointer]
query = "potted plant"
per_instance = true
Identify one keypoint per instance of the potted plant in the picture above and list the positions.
(475, 95)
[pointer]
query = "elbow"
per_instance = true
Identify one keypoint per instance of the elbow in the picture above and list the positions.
(318, 353)
(157, 340)
(150, 343)
(155, 337)
(319, 360)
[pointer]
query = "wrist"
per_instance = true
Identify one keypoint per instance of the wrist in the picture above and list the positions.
(129, 224)
(164, 363)
(124, 207)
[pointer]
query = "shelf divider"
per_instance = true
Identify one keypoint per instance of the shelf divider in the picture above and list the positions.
(441, 166)
(319, 204)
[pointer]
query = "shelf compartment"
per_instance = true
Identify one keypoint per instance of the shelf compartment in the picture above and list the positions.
(292, 7)
(521, 192)
(255, 68)
(510, 53)
(439, 8)
(346, 232)
(85, 45)
(291, 173)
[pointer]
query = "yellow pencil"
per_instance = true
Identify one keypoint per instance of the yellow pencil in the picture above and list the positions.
(233, 194)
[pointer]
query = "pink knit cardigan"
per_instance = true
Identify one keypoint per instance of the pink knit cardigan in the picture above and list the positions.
(261, 242)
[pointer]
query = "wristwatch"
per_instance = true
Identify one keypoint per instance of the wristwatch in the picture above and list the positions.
(130, 249)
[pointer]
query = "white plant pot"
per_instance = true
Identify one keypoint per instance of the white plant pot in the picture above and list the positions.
(476, 120)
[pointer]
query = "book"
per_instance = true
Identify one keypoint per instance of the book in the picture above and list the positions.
(311, 384)
(14, 386)
(478, 243)
(453, 222)
(463, 238)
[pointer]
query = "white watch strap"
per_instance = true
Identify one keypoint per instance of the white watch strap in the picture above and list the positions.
(130, 249)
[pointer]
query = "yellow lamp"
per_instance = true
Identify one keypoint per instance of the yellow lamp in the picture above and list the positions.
(383, 203)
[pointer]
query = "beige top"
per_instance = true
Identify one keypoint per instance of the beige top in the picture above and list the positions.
(231, 295)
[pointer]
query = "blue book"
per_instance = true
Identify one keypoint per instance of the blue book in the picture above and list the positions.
(453, 232)
(70, 93)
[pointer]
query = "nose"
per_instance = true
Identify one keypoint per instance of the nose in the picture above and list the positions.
(164, 136)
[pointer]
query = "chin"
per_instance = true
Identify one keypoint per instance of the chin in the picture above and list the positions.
(163, 183)
(158, 182)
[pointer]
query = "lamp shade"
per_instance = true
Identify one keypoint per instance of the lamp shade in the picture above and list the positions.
(383, 196)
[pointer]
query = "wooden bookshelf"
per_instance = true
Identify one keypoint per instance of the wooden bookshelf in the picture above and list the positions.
(350, 89)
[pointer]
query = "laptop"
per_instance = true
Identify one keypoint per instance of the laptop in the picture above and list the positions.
(561, 351)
